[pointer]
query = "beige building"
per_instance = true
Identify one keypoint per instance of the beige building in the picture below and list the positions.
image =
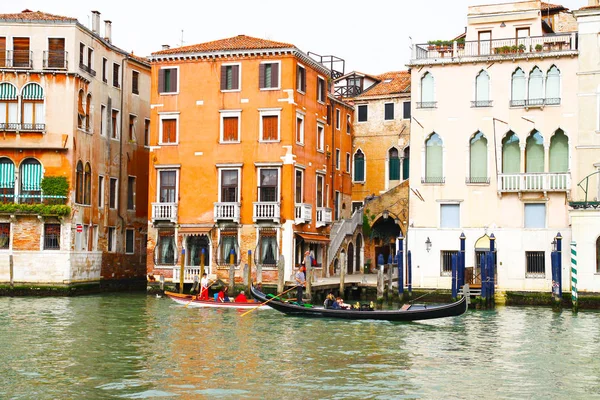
(492, 141)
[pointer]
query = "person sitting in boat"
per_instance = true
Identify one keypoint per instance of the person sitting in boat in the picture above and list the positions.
(329, 301)
(222, 296)
(341, 304)
(241, 298)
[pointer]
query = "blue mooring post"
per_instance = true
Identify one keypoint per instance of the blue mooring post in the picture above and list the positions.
(409, 277)
(490, 278)
(559, 263)
(483, 271)
(461, 262)
(492, 268)
(380, 260)
(400, 261)
(454, 276)
(554, 263)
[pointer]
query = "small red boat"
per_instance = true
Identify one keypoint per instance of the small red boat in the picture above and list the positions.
(191, 301)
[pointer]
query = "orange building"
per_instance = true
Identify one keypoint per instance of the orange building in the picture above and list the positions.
(73, 161)
(250, 157)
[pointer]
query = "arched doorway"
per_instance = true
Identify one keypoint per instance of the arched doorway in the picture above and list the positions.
(482, 245)
(335, 267)
(350, 261)
(358, 252)
(384, 233)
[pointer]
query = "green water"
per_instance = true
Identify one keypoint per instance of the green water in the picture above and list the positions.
(137, 346)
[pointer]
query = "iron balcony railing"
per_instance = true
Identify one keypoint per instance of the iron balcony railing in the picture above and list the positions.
(227, 212)
(164, 212)
(427, 104)
(32, 197)
(323, 216)
(534, 182)
(302, 213)
(22, 127)
(17, 59)
(477, 179)
(433, 179)
(55, 59)
(87, 68)
(535, 102)
(266, 210)
(481, 103)
(497, 48)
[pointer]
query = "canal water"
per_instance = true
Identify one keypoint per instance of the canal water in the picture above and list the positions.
(133, 346)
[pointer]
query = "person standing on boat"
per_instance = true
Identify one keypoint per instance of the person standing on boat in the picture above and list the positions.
(203, 288)
(300, 281)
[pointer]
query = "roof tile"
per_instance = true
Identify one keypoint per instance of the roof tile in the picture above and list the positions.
(394, 82)
(240, 42)
(28, 15)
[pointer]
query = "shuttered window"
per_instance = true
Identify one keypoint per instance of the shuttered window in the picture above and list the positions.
(359, 166)
(270, 127)
(169, 130)
(21, 53)
(230, 129)
(389, 111)
(31, 176)
(301, 78)
(167, 80)
(362, 113)
(56, 53)
(7, 180)
(135, 76)
(230, 77)
(268, 75)
(116, 75)
(394, 165)
(406, 110)
(321, 89)
(3, 52)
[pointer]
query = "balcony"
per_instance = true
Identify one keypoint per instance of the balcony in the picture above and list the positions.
(266, 211)
(481, 103)
(32, 197)
(535, 103)
(534, 182)
(323, 216)
(87, 69)
(497, 49)
(19, 127)
(164, 212)
(227, 212)
(427, 104)
(19, 59)
(188, 274)
(55, 59)
(302, 213)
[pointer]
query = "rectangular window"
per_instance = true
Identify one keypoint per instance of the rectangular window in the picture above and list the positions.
(362, 113)
(406, 110)
(299, 186)
(132, 119)
(535, 215)
(3, 52)
(131, 193)
(449, 215)
(129, 241)
(269, 126)
(300, 78)
(337, 159)
(320, 137)
(168, 186)
(100, 191)
(111, 243)
(389, 111)
(112, 193)
(104, 64)
(114, 134)
(347, 162)
(168, 130)
(299, 129)
(230, 126)
(348, 124)
(338, 122)
(4, 235)
(447, 262)
(267, 191)
(146, 132)
(320, 193)
(268, 75)
(56, 53)
(116, 75)
(81, 54)
(230, 77)
(21, 52)
(135, 77)
(356, 205)
(51, 236)
(168, 80)
(103, 120)
(229, 186)
(321, 89)
(535, 264)
(228, 247)
(90, 58)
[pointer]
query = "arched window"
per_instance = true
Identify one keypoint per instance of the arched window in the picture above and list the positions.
(31, 180)
(394, 164)
(266, 252)
(427, 91)
(553, 86)
(88, 113)
(194, 246)
(87, 179)
(511, 154)
(406, 164)
(534, 153)
(482, 90)
(8, 107)
(33, 118)
(536, 87)
(518, 88)
(433, 159)
(7, 180)
(559, 152)
(79, 183)
(359, 166)
(478, 159)
(80, 111)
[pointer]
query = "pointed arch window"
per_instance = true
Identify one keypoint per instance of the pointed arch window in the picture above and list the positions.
(31, 174)
(33, 118)
(534, 153)
(394, 164)
(87, 181)
(406, 164)
(7, 180)
(535, 94)
(482, 90)
(88, 113)
(427, 92)
(359, 166)
(478, 159)
(553, 86)
(80, 110)
(559, 152)
(434, 159)
(79, 183)
(518, 84)
(511, 154)
(8, 107)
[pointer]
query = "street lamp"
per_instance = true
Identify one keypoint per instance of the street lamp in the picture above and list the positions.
(385, 214)
(553, 243)
(428, 244)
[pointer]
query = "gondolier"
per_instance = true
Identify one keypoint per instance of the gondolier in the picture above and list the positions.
(301, 281)
(203, 295)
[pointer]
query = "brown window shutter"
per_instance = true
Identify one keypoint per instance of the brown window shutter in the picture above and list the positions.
(21, 52)
(235, 80)
(230, 129)
(2, 52)
(298, 78)
(169, 128)
(261, 76)
(21, 44)
(328, 114)
(270, 127)
(303, 80)
(275, 75)
(174, 80)
(223, 77)
(298, 130)
(161, 81)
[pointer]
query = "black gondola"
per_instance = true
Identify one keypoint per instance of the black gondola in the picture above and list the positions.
(411, 313)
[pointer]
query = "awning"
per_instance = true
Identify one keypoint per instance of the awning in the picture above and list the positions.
(195, 230)
(7, 91)
(313, 238)
(32, 91)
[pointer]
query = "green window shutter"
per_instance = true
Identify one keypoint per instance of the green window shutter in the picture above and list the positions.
(559, 152)
(32, 91)
(394, 166)
(534, 153)
(511, 155)
(31, 176)
(478, 159)
(359, 168)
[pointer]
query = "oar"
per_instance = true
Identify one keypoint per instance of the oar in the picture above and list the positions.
(271, 299)
(215, 281)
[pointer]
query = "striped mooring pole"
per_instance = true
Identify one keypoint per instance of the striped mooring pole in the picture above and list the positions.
(574, 276)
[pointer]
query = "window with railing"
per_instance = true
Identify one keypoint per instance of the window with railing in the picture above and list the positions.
(447, 262)
(229, 186)
(482, 90)
(51, 236)
(394, 164)
(266, 250)
(268, 189)
(228, 249)
(433, 159)
(165, 251)
(7, 180)
(478, 159)
(535, 264)
(31, 179)
(197, 250)
(427, 92)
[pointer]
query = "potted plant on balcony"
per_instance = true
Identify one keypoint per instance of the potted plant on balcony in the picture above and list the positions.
(538, 47)
(521, 48)
(514, 49)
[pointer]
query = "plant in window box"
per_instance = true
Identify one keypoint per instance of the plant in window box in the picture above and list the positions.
(514, 48)
(538, 47)
(521, 48)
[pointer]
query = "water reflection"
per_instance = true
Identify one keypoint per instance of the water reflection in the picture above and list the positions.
(137, 346)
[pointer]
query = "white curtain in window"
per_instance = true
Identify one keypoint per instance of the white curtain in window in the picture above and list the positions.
(12, 113)
(518, 85)
(27, 113)
(536, 84)
(427, 84)
(553, 83)
(482, 83)
(559, 152)
(39, 113)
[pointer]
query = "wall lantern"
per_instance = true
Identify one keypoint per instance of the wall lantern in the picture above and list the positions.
(385, 214)
(428, 244)
(502, 25)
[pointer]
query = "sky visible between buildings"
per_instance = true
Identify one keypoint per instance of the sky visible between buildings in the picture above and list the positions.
(371, 36)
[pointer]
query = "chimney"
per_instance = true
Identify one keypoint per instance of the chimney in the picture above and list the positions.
(96, 22)
(107, 30)
(166, 47)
